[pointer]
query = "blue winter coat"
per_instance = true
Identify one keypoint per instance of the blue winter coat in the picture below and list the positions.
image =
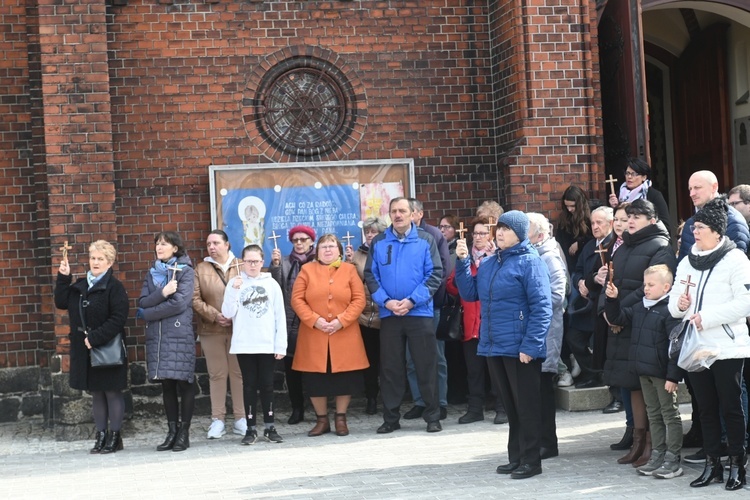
(404, 269)
(170, 341)
(513, 288)
(737, 231)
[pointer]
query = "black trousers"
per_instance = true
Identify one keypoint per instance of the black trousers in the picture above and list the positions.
(257, 375)
(549, 410)
(718, 390)
(294, 384)
(476, 371)
(519, 386)
(419, 332)
(371, 338)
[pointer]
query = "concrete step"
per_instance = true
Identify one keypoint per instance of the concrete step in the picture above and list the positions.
(596, 398)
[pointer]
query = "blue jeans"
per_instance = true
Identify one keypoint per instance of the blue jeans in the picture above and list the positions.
(442, 371)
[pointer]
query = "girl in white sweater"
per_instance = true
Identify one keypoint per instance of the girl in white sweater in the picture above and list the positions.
(254, 302)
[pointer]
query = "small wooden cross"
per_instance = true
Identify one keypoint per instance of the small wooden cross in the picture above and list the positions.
(461, 230)
(490, 223)
(601, 253)
(687, 284)
(348, 238)
(611, 183)
(175, 269)
(64, 249)
(274, 237)
(611, 272)
(238, 265)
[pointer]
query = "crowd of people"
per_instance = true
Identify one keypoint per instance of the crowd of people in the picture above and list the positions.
(605, 298)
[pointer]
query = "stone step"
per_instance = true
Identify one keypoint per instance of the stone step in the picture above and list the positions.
(596, 398)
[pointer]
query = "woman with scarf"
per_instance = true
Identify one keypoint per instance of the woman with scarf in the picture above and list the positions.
(369, 320)
(102, 299)
(638, 186)
(285, 272)
(328, 297)
(166, 305)
(215, 332)
(717, 307)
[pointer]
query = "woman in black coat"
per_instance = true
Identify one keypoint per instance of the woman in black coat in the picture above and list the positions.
(645, 244)
(103, 301)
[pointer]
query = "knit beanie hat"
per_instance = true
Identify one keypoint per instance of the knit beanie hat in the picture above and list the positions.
(714, 215)
(302, 229)
(517, 221)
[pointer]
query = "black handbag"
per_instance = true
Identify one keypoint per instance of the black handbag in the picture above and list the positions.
(106, 355)
(451, 324)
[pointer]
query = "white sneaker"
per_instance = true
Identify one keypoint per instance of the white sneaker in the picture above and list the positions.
(240, 427)
(575, 368)
(565, 380)
(216, 430)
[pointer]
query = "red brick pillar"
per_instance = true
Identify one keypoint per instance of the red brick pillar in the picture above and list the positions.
(78, 146)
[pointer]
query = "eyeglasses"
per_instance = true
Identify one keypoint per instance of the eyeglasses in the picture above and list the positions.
(444, 226)
(327, 247)
(735, 203)
(630, 173)
(253, 262)
(479, 235)
(300, 240)
(697, 227)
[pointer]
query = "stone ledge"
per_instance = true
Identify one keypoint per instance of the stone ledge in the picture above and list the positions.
(596, 398)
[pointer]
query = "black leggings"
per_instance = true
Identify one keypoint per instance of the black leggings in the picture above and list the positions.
(108, 406)
(257, 374)
(169, 393)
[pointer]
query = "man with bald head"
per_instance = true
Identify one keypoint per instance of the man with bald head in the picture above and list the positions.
(704, 187)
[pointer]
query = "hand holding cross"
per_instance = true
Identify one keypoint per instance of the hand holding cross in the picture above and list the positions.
(175, 269)
(461, 230)
(64, 249)
(687, 284)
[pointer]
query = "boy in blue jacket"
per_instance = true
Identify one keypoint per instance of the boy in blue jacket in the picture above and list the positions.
(659, 375)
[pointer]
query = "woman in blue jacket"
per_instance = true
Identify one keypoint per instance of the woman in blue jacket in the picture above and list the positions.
(513, 288)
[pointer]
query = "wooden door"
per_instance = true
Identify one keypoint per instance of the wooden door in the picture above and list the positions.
(703, 138)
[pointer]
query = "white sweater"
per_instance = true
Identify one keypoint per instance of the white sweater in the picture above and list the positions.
(726, 302)
(258, 315)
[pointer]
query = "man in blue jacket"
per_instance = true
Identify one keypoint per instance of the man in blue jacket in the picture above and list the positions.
(403, 272)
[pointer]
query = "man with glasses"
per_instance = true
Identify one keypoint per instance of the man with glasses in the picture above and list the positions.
(403, 272)
(704, 186)
(739, 198)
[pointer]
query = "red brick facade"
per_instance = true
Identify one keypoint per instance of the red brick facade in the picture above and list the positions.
(112, 115)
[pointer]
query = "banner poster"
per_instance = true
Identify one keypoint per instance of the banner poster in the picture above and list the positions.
(261, 209)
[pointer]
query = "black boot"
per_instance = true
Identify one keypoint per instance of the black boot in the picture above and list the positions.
(182, 442)
(101, 438)
(297, 416)
(713, 471)
(168, 443)
(737, 472)
(114, 442)
(626, 442)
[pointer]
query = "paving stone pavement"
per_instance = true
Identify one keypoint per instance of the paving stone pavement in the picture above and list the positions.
(458, 462)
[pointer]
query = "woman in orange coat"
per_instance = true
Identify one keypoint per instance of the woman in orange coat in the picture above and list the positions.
(328, 297)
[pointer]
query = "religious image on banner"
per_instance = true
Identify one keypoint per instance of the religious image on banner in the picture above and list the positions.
(375, 199)
(252, 213)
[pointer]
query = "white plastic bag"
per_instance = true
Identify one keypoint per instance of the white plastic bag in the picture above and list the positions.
(696, 354)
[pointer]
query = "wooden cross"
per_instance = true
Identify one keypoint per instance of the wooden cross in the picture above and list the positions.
(611, 183)
(274, 237)
(461, 230)
(490, 223)
(687, 284)
(601, 253)
(348, 238)
(64, 249)
(238, 265)
(175, 268)
(611, 272)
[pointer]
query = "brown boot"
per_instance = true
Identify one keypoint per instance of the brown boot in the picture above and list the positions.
(646, 456)
(639, 443)
(322, 426)
(340, 423)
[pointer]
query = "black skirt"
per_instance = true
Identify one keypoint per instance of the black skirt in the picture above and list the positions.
(333, 384)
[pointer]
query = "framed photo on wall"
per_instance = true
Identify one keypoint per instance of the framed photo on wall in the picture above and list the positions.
(259, 204)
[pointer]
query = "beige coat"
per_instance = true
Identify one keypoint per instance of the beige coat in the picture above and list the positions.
(208, 295)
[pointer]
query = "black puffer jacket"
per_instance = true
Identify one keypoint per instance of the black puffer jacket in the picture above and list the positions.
(648, 247)
(106, 313)
(649, 343)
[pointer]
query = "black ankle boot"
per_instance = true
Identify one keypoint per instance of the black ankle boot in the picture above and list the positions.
(626, 442)
(114, 442)
(101, 438)
(168, 443)
(737, 472)
(182, 442)
(713, 471)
